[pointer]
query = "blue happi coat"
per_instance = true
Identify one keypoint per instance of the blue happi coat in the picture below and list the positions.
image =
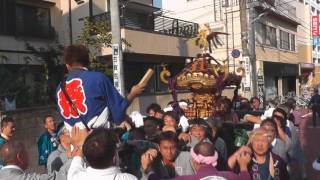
(95, 98)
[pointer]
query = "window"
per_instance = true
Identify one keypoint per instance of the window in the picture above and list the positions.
(155, 85)
(313, 9)
(284, 40)
(314, 47)
(318, 48)
(6, 15)
(33, 21)
(314, 60)
(301, 1)
(269, 35)
(293, 43)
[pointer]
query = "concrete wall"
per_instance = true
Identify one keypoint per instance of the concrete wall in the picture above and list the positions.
(152, 43)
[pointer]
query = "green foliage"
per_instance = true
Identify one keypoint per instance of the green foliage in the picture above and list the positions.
(12, 84)
(95, 35)
(50, 56)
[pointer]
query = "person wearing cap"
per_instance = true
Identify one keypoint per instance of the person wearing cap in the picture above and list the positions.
(61, 155)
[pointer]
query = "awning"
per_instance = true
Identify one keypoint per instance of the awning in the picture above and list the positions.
(307, 66)
(280, 69)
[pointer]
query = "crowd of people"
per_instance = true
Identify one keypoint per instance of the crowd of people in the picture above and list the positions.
(159, 143)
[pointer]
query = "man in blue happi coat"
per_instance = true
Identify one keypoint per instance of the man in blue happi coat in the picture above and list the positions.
(87, 98)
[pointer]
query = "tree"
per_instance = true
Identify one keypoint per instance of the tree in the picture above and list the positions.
(54, 70)
(95, 35)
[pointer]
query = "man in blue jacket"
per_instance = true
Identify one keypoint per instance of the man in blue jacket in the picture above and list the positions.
(48, 140)
(87, 98)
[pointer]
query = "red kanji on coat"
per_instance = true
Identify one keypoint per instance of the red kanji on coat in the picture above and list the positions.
(75, 90)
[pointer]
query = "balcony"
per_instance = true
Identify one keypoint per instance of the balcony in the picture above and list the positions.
(279, 8)
(149, 23)
(150, 34)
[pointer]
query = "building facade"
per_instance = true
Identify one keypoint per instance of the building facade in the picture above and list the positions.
(278, 39)
(155, 41)
(33, 22)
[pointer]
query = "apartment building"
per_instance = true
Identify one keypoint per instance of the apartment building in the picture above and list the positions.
(279, 53)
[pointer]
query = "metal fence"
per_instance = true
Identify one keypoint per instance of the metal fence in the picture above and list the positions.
(151, 23)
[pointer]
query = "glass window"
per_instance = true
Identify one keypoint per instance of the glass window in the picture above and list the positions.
(293, 42)
(6, 14)
(140, 68)
(284, 40)
(33, 21)
(314, 60)
(271, 36)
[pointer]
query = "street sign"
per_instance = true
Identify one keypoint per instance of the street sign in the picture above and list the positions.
(116, 69)
(246, 81)
(235, 53)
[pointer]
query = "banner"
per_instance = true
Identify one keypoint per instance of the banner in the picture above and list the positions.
(315, 26)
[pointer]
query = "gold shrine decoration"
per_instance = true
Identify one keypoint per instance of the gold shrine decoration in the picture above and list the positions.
(204, 78)
(206, 38)
(164, 74)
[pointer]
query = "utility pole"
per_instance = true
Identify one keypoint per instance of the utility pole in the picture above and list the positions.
(117, 56)
(227, 38)
(252, 49)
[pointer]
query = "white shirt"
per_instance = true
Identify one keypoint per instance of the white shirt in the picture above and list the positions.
(78, 171)
(12, 167)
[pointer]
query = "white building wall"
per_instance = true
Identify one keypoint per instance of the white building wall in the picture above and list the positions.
(212, 12)
(13, 47)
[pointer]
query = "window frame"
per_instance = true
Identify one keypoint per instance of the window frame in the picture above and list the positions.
(43, 34)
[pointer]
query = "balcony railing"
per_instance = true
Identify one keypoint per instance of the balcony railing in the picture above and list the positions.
(151, 23)
(280, 6)
(286, 8)
(175, 27)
